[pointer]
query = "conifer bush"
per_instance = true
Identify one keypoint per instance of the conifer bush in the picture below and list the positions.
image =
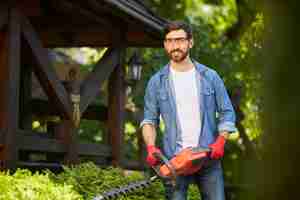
(25, 185)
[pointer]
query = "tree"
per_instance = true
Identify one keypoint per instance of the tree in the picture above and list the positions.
(279, 170)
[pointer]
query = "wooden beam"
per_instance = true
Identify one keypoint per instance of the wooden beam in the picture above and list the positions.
(11, 110)
(45, 71)
(30, 7)
(139, 38)
(81, 32)
(83, 38)
(75, 39)
(132, 165)
(41, 108)
(92, 149)
(71, 6)
(33, 141)
(91, 85)
(105, 11)
(109, 13)
(62, 23)
(41, 165)
(139, 15)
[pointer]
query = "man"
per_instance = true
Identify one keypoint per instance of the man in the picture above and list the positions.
(193, 102)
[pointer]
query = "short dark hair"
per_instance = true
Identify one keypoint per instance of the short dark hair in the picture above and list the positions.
(176, 25)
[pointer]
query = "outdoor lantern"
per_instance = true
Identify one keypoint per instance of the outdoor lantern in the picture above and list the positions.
(135, 67)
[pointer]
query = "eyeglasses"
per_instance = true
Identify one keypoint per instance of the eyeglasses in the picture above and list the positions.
(178, 40)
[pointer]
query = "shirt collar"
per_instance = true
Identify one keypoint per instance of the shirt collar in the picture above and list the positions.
(199, 67)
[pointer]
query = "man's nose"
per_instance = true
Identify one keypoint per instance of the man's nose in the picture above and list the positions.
(175, 45)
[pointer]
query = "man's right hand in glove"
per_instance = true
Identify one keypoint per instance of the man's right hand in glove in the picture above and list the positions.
(151, 159)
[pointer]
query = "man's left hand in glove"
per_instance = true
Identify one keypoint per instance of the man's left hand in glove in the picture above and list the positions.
(217, 148)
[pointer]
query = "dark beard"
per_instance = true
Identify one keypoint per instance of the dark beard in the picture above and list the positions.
(178, 58)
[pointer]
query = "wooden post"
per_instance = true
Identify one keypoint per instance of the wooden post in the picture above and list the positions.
(67, 134)
(116, 101)
(67, 130)
(3, 77)
(30, 7)
(10, 82)
(141, 148)
(141, 144)
(25, 91)
(103, 68)
(116, 112)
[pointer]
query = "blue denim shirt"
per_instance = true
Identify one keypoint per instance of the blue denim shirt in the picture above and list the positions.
(216, 111)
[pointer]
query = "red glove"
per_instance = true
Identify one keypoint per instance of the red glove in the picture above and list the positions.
(217, 148)
(151, 159)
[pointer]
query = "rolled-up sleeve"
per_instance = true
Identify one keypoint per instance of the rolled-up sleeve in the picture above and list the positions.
(225, 109)
(151, 108)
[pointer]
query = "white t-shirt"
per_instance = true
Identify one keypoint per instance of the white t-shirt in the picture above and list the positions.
(187, 104)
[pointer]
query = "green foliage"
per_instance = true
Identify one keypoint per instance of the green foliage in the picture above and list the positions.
(234, 61)
(171, 9)
(83, 181)
(91, 131)
(219, 16)
(130, 141)
(89, 180)
(193, 193)
(24, 185)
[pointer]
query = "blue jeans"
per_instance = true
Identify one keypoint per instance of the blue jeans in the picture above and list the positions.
(209, 181)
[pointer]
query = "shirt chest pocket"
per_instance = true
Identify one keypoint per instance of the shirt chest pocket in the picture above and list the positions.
(208, 96)
(163, 101)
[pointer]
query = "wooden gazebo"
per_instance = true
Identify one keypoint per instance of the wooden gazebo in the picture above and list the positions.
(27, 29)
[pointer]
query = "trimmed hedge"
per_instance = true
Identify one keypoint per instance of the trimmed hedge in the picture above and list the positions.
(90, 180)
(81, 182)
(23, 185)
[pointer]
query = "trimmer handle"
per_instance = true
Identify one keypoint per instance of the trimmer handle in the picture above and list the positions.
(164, 161)
(160, 157)
(201, 149)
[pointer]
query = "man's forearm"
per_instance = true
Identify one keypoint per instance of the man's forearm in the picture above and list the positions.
(149, 134)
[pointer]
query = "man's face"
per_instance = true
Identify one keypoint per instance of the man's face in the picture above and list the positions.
(177, 45)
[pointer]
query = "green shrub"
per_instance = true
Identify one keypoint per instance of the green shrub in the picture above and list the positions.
(83, 181)
(23, 185)
(89, 180)
(193, 193)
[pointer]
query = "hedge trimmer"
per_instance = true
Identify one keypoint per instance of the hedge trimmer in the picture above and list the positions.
(186, 162)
